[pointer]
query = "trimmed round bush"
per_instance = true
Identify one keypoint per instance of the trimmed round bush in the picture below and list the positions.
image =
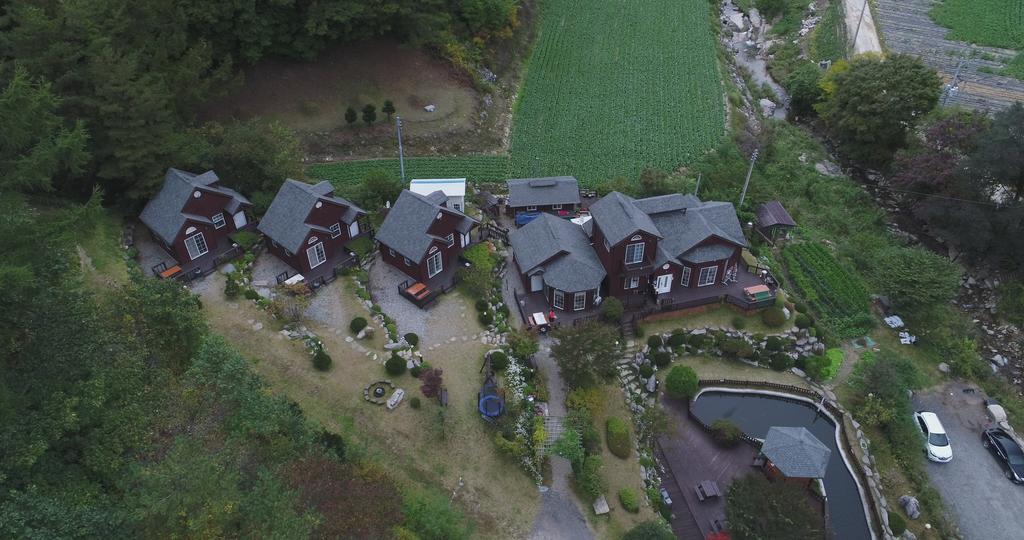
(802, 321)
(412, 339)
(618, 437)
(499, 361)
(800, 306)
(681, 382)
(395, 365)
(773, 343)
(780, 362)
(416, 370)
(646, 371)
(773, 317)
(677, 339)
(612, 310)
(481, 305)
(654, 341)
(746, 351)
(629, 501)
(725, 433)
(739, 323)
(357, 325)
(414, 403)
(322, 361)
(731, 346)
(503, 309)
(486, 318)
(661, 359)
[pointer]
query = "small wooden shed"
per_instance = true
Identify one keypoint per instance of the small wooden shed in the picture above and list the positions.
(773, 220)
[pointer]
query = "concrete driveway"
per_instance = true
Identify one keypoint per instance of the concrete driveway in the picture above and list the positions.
(974, 487)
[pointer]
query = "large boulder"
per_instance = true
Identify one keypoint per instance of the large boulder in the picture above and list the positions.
(911, 506)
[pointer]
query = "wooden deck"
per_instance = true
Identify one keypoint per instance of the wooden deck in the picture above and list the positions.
(692, 457)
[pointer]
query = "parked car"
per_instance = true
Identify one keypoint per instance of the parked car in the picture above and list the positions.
(936, 442)
(1005, 448)
(665, 499)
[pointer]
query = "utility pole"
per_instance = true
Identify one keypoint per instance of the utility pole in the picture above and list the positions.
(857, 31)
(953, 85)
(753, 159)
(696, 190)
(401, 155)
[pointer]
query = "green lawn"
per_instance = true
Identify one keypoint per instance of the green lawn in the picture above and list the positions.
(998, 23)
(480, 168)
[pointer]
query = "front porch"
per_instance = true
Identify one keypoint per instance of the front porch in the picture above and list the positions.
(155, 258)
(688, 297)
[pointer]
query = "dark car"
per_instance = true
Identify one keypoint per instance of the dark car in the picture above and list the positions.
(1008, 450)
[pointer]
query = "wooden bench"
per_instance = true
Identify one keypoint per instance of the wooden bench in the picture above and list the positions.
(707, 489)
(418, 291)
(170, 272)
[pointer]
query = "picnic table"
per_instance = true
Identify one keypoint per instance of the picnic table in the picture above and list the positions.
(540, 321)
(418, 291)
(707, 489)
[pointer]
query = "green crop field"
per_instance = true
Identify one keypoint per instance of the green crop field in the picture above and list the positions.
(998, 23)
(838, 297)
(474, 168)
(615, 86)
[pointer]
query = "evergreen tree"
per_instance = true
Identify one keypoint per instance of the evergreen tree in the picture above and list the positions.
(369, 114)
(351, 116)
(388, 108)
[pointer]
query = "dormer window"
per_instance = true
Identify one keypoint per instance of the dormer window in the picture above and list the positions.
(218, 220)
(450, 239)
(635, 253)
(335, 230)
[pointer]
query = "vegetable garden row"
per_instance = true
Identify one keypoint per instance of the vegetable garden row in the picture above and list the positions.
(480, 168)
(839, 297)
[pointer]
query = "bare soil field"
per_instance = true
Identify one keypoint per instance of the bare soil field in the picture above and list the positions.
(311, 98)
(907, 28)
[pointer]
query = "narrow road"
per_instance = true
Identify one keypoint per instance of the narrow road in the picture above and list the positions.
(867, 35)
(559, 516)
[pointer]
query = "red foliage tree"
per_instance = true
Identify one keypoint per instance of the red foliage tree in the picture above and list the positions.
(432, 382)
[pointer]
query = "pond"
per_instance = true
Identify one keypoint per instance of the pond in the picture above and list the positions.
(754, 413)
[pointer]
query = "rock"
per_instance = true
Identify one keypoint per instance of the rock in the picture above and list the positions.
(361, 334)
(1000, 359)
(227, 269)
(943, 367)
(348, 339)
(767, 106)
(786, 312)
(755, 18)
(907, 535)
(698, 331)
(652, 384)
(264, 292)
(737, 22)
(430, 108)
(911, 506)
(258, 326)
(799, 372)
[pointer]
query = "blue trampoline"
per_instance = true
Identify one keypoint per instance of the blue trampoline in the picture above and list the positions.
(490, 404)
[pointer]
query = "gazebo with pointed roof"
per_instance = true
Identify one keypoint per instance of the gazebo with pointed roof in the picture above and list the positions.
(795, 453)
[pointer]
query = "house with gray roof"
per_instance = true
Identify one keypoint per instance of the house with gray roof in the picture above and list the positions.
(559, 195)
(554, 258)
(310, 229)
(423, 237)
(191, 217)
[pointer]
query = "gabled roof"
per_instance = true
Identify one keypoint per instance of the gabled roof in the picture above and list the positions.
(163, 213)
(666, 203)
(561, 250)
(772, 213)
(796, 452)
(405, 228)
(285, 220)
(452, 187)
(618, 217)
(681, 231)
(543, 191)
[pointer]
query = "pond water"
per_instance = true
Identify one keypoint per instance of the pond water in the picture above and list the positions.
(755, 413)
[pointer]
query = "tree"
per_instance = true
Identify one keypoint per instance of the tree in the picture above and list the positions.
(351, 116)
(804, 89)
(590, 477)
(570, 446)
(431, 516)
(933, 165)
(681, 382)
(586, 354)
(877, 102)
(388, 108)
(377, 187)
(771, 8)
(757, 508)
(432, 382)
(999, 158)
(612, 310)
(650, 530)
(369, 114)
(914, 278)
(484, 16)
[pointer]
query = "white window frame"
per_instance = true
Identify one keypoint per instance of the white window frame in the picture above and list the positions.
(408, 262)
(457, 206)
(579, 301)
(685, 280)
(558, 299)
(353, 229)
(531, 208)
(316, 255)
(218, 224)
(450, 239)
(193, 249)
(638, 247)
(707, 276)
(391, 252)
(439, 264)
(556, 207)
(335, 230)
(632, 282)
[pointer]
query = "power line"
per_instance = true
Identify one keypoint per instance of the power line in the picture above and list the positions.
(933, 196)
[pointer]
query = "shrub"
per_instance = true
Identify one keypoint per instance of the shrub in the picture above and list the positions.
(251, 295)
(681, 382)
(677, 339)
(416, 370)
(392, 330)
(897, 523)
(499, 361)
(773, 317)
(617, 434)
(612, 310)
(726, 433)
(395, 365)
(746, 351)
(628, 500)
(646, 371)
(654, 341)
(588, 399)
(780, 361)
(415, 402)
(650, 530)
(486, 318)
(731, 346)
(739, 322)
(231, 288)
(412, 339)
(661, 359)
(590, 480)
(481, 305)
(245, 239)
(773, 343)
(699, 341)
(431, 516)
(802, 320)
(357, 325)
(321, 360)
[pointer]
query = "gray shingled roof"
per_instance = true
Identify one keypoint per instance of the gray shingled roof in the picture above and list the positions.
(772, 213)
(666, 203)
(561, 250)
(796, 452)
(542, 191)
(163, 213)
(405, 228)
(285, 220)
(618, 217)
(681, 231)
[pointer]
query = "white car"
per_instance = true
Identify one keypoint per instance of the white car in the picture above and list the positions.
(936, 443)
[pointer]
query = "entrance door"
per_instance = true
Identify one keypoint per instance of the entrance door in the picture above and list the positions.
(663, 283)
(536, 283)
(239, 219)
